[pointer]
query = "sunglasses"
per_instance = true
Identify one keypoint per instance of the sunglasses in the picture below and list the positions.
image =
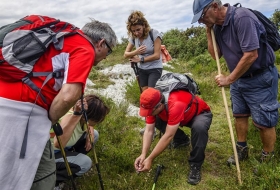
(158, 104)
(203, 14)
(109, 48)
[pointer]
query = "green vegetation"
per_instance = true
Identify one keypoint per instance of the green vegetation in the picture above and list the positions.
(120, 143)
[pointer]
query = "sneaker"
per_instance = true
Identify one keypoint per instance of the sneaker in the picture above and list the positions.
(59, 187)
(180, 144)
(195, 174)
(266, 156)
(242, 153)
(142, 131)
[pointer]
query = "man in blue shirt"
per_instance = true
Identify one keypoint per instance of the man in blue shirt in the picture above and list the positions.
(253, 78)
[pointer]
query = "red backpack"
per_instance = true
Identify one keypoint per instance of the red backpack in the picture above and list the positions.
(24, 41)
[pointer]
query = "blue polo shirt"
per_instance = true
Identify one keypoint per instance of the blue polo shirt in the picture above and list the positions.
(243, 36)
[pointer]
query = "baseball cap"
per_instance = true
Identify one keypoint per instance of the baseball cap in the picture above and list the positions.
(148, 100)
(198, 6)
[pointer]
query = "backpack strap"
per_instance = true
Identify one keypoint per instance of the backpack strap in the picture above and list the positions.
(190, 104)
(263, 37)
(166, 96)
(56, 74)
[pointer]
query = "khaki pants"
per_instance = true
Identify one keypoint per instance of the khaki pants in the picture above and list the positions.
(45, 176)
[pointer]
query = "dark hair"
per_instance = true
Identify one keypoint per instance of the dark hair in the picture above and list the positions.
(97, 110)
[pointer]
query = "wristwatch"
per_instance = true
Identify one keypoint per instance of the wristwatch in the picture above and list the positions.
(142, 60)
(77, 113)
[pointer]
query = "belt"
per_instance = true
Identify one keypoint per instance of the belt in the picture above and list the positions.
(255, 73)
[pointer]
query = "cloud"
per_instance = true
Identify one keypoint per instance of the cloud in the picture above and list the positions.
(162, 15)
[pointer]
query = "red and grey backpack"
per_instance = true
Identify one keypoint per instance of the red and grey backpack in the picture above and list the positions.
(24, 41)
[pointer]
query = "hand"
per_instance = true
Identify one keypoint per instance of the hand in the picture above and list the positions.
(141, 49)
(145, 166)
(138, 162)
(78, 105)
(222, 80)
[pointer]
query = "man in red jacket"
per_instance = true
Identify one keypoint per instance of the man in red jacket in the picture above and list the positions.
(26, 120)
(198, 117)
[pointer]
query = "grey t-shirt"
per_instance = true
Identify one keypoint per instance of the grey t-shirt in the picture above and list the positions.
(149, 50)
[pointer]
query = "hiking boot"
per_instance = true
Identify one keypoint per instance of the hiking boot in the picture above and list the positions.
(180, 144)
(266, 156)
(242, 153)
(195, 174)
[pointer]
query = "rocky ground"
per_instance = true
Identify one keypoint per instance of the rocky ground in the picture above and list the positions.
(121, 75)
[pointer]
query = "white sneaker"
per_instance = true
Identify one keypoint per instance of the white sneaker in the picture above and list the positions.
(59, 187)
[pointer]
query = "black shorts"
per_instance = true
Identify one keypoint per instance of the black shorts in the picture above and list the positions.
(149, 77)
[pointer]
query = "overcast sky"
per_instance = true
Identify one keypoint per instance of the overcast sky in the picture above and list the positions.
(162, 15)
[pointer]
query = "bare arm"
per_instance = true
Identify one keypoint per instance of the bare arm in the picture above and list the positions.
(68, 125)
(243, 65)
(154, 56)
(164, 141)
(141, 164)
(65, 99)
(129, 53)
(147, 138)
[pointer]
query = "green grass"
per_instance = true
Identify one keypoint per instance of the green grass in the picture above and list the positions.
(120, 143)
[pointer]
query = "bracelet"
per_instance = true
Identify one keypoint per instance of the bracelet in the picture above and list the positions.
(77, 113)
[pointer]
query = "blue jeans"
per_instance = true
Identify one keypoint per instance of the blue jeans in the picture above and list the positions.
(257, 96)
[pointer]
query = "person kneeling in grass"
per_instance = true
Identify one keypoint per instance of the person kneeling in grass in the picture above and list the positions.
(197, 116)
(75, 139)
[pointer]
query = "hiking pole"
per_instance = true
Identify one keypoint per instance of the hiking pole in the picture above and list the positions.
(226, 107)
(136, 72)
(93, 147)
(58, 132)
(159, 168)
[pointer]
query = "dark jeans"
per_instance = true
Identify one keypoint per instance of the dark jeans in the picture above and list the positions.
(199, 125)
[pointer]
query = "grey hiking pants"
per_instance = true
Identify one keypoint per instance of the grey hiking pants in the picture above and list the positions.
(45, 176)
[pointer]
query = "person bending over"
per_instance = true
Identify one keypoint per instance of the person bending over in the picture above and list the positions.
(75, 137)
(198, 117)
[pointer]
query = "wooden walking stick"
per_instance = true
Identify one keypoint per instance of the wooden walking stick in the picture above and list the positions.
(226, 107)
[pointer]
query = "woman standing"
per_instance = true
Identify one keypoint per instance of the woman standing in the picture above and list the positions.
(147, 51)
